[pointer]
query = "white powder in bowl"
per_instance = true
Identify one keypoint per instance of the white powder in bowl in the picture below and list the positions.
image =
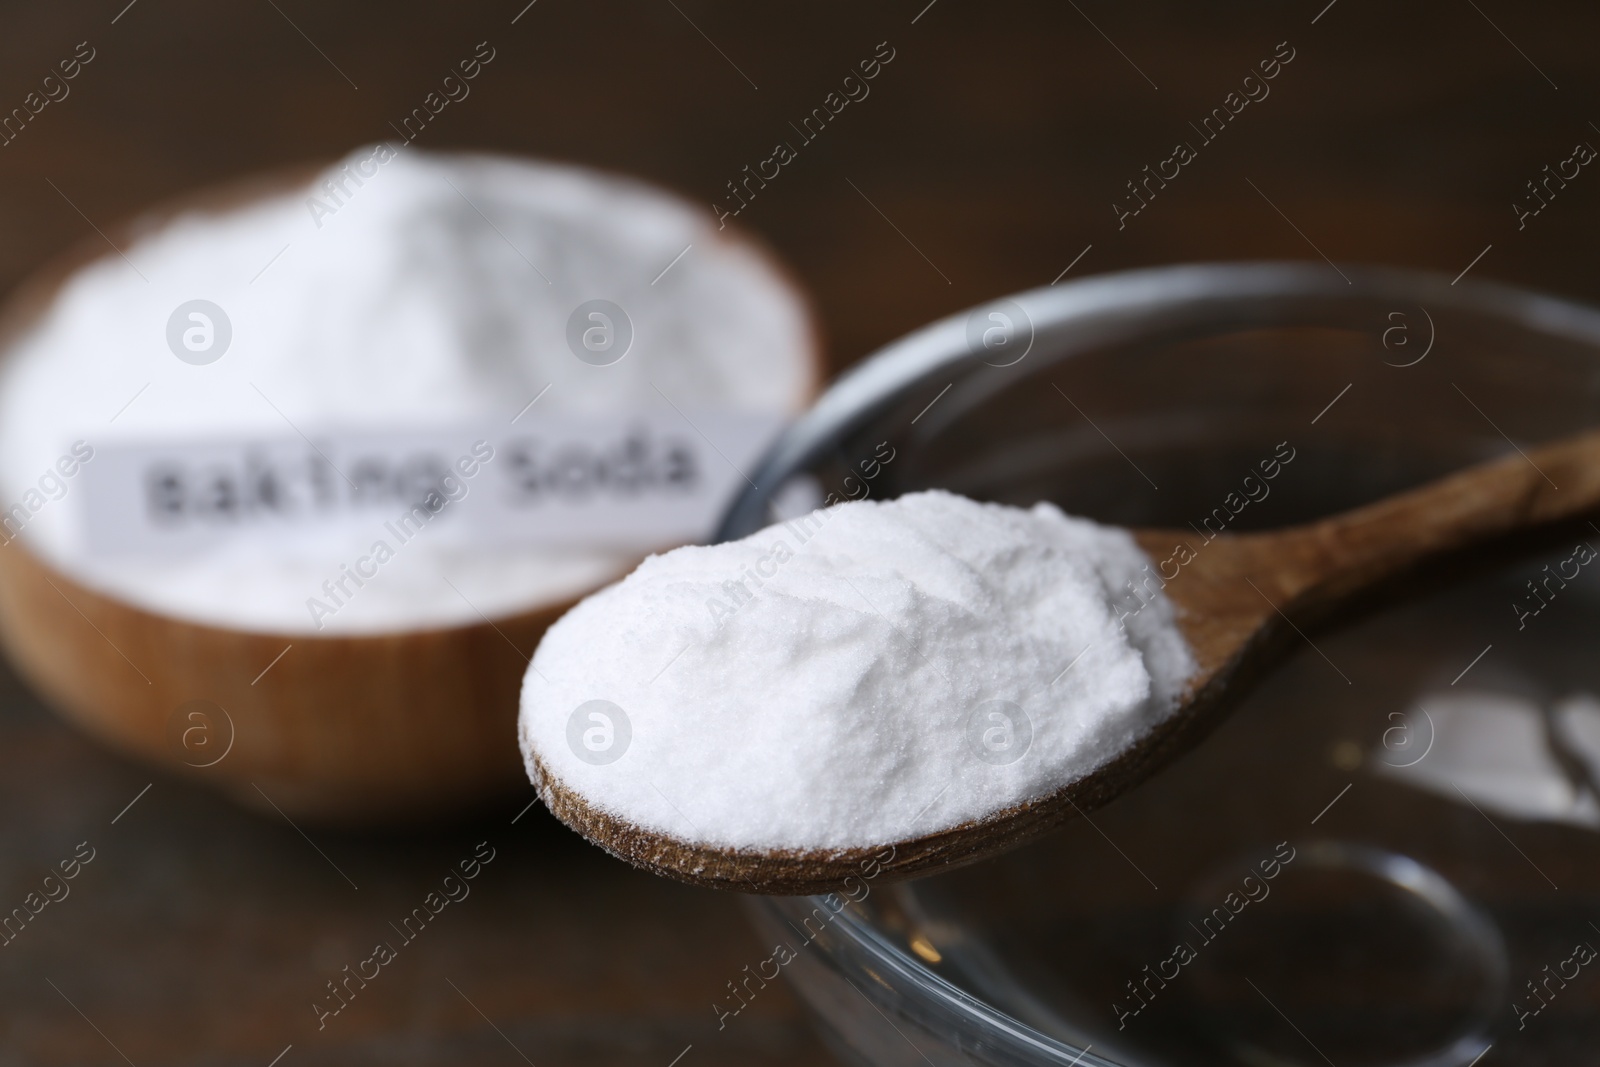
(871, 673)
(434, 293)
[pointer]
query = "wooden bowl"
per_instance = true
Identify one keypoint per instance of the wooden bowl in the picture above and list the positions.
(351, 728)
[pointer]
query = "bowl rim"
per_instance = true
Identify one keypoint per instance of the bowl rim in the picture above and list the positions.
(1090, 311)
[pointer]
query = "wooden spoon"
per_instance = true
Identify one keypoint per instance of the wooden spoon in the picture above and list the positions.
(1241, 600)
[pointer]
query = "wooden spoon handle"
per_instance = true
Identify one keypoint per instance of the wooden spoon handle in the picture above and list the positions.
(1330, 560)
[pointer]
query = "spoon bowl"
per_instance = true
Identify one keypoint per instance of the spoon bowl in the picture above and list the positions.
(1184, 376)
(1241, 601)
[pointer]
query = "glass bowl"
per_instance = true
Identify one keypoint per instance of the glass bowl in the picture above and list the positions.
(1387, 855)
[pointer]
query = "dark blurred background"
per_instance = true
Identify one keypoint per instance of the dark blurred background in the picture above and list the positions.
(985, 160)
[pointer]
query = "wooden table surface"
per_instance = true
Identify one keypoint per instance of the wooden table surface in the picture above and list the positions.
(987, 158)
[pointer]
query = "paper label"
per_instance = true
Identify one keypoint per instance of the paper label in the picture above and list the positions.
(633, 483)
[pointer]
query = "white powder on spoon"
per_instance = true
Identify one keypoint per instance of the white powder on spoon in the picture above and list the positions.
(844, 694)
(437, 294)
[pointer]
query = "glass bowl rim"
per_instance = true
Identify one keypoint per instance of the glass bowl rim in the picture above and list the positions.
(1123, 305)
